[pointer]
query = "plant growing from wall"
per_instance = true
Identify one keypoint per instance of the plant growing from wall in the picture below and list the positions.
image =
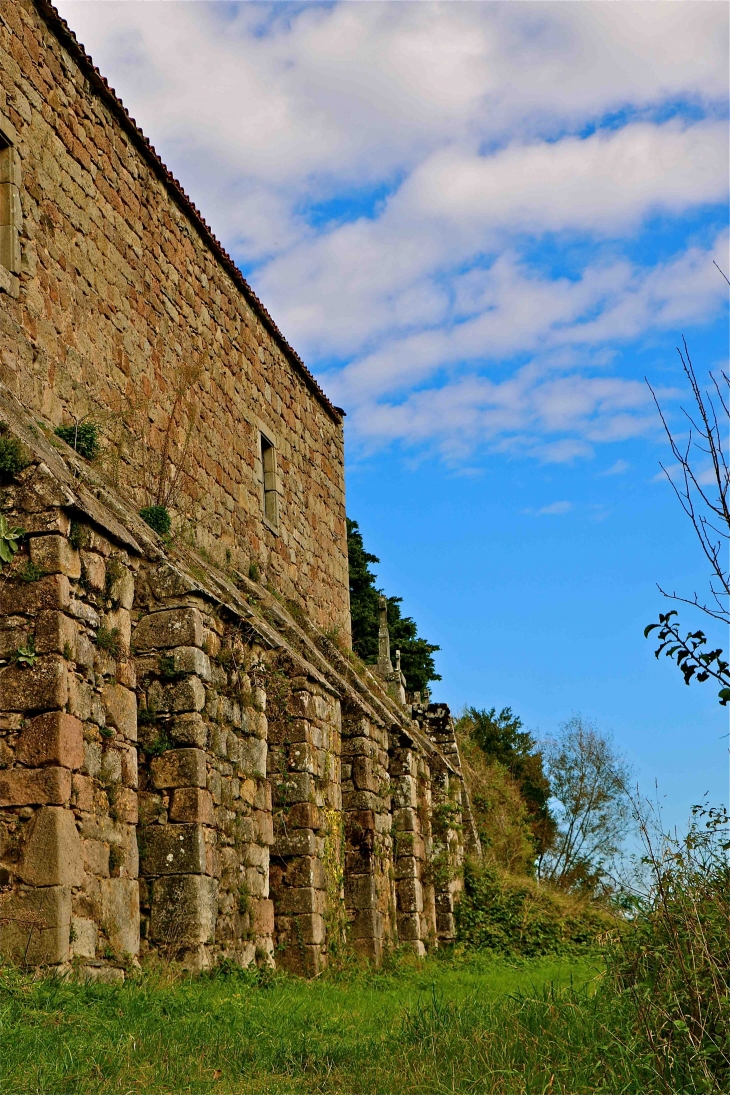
(26, 655)
(158, 518)
(30, 572)
(10, 537)
(82, 436)
(13, 456)
(109, 639)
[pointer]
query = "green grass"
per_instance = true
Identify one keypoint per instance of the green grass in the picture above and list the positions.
(473, 1023)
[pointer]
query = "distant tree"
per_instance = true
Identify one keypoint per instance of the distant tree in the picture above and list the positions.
(589, 782)
(702, 486)
(416, 653)
(502, 738)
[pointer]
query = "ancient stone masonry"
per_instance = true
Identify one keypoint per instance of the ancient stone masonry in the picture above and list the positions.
(193, 764)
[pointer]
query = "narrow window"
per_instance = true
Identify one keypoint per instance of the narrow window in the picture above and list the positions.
(268, 468)
(9, 206)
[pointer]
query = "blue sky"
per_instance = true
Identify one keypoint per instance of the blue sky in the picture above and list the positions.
(482, 225)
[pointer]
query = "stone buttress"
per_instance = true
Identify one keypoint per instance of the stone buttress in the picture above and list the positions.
(190, 769)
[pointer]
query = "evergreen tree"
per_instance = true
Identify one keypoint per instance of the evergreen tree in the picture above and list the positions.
(416, 653)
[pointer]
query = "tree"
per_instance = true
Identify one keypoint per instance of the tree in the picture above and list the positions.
(416, 653)
(502, 738)
(703, 490)
(589, 782)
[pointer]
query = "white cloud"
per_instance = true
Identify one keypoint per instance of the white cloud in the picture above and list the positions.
(620, 467)
(438, 145)
(556, 509)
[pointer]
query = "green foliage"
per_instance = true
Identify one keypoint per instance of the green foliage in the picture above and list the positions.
(518, 916)
(158, 518)
(672, 963)
(416, 653)
(445, 1025)
(254, 573)
(157, 745)
(10, 537)
(30, 572)
(589, 780)
(692, 660)
(79, 536)
(109, 639)
(13, 456)
(26, 655)
(116, 858)
(83, 437)
(501, 737)
(166, 667)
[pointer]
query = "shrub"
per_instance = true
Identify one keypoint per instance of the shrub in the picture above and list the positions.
(158, 518)
(110, 640)
(13, 456)
(84, 438)
(673, 961)
(519, 916)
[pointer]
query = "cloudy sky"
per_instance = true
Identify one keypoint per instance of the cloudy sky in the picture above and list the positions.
(482, 225)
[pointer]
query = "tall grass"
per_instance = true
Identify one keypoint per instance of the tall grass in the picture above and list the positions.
(672, 962)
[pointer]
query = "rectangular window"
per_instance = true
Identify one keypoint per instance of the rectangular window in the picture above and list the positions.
(268, 471)
(9, 206)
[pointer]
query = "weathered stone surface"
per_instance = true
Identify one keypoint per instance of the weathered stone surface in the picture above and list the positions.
(189, 729)
(119, 899)
(120, 707)
(298, 842)
(184, 695)
(169, 628)
(54, 555)
(84, 934)
(179, 768)
(252, 757)
(94, 570)
(35, 925)
(173, 849)
(184, 910)
(52, 855)
(190, 659)
(121, 588)
(55, 633)
(42, 686)
(410, 895)
(192, 804)
(53, 591)
(53, 738)
(96, 857)
(263, 916)
(34, 786)
(361, 892)
(295, 899)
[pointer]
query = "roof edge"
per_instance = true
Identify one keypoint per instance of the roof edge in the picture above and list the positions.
(60, 28)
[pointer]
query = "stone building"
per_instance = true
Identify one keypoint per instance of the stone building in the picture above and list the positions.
(192, 761)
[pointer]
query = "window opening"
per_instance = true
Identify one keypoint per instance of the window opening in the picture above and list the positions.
(9, 206)
(268, 467)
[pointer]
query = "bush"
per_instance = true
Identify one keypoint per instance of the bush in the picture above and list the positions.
(500, 812)
(13, 456)
(672, 963)
(158, 518)
(84, 438)
(513, 915)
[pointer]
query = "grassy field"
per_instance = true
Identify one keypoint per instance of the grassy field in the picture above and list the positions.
(452, 1024)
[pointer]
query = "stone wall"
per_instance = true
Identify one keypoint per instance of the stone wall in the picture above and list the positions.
(191, 768)
(188, 769)
(126, 311)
